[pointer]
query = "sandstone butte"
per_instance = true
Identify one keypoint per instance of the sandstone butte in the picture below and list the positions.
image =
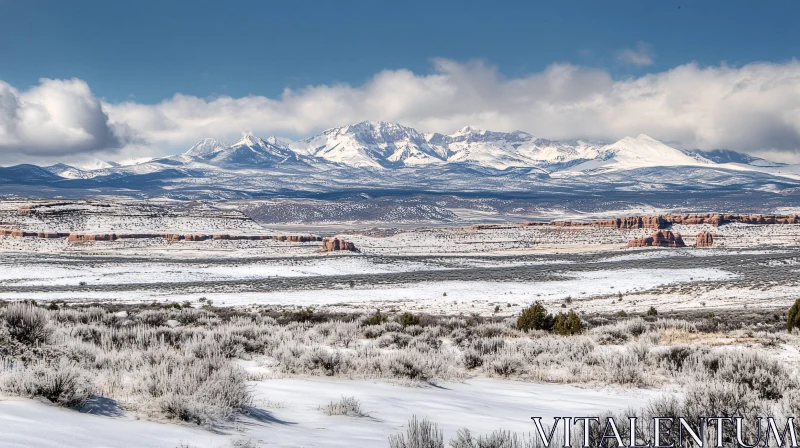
(336, 244)
(661, 238)
(705, 239)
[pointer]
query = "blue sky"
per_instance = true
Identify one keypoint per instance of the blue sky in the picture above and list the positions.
(115, 79)
(153, 49)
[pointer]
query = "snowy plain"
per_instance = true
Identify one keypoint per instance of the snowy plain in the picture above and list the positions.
(290, 416)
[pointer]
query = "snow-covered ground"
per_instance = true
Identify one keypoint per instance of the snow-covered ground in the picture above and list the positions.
(289, 415)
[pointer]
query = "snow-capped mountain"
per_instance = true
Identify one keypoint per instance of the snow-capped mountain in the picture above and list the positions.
(205, 147)
(66, 171)
(250, 151)
(372, 145)
(380, 156)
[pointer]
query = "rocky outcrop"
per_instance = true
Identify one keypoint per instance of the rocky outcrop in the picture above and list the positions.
(718, 219)
(629, 222)
(196, 237)
(78, 237)
(336, 244)
(657, 222)
(662, 238)
(133, 236)
(81, 237)
(705, 239)
(52, 235)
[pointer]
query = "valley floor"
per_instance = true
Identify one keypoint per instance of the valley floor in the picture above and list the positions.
(749, 279)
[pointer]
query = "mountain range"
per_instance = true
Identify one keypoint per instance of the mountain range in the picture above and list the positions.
(386, 146)
(379, 158)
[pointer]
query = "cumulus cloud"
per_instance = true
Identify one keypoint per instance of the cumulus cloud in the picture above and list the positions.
(754, 108)
(54, 118)
(641, 55)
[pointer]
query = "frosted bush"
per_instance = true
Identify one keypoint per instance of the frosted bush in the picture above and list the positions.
(27, 324)
(346, 406)
(63, 383)
(199, 390)
(419, 434)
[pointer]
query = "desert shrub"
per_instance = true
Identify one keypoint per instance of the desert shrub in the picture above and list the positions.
(472, 358)
(419, 434)
(413, 330)
(405, 365)
(652, 311)
(155, 318)
(487, 345)
(198, 390)
(634, 327)
(346, 406)
(766, 377)
(624, 368)
(639, 350)
(535, 317)
(322, 360)
(399, 340)
(406, 319)
(377, 318)
(506, 364)
(610, 335)
(27, 323)
(492, 330)
(372, 331)
(568, 324)
(673, 357)
(63, 383)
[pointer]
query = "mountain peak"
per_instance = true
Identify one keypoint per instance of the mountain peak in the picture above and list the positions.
(98, 164)
(646, 138)
(204, 147)
(469, 130)
(249, 139)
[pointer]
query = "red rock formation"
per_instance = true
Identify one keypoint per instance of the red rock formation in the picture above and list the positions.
(79, 237)
(138, 235)
(662, 238)
(196, 237)
(336, 244)
(705, 239)
(51, 235)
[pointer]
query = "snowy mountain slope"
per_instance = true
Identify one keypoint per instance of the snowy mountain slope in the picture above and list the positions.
(66, 171)
(728, 156)
(371, 144)
(98, 164)
(248, 152)
(205, 147)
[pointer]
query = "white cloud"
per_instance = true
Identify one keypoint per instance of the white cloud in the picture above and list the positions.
(641, 55)
(754, 108)
(55, 118)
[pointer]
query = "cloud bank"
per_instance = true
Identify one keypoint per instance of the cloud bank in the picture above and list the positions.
(56, 118)
(754, 108)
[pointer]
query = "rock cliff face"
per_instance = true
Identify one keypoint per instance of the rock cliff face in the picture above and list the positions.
(662, 238)
(705, 239)
(336, 244)
(658, 222)
(718, 219)
(80, 237)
